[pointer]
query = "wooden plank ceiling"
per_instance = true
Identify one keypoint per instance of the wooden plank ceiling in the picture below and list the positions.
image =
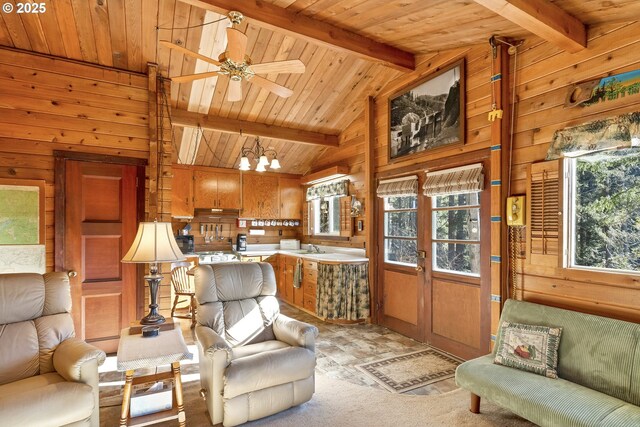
(327, 97)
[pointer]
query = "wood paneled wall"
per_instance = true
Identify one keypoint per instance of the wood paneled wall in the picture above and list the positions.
(51, 104)
(545, 74)
(350, 153)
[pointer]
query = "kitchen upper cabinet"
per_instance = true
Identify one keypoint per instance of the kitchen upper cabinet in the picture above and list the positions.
(216, 190)
(182, 192)
(260, 196)
(291, 195)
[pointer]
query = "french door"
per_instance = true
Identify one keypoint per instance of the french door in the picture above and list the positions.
(440, 293)
(456, 272)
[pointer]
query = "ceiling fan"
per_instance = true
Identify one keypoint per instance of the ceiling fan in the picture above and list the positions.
(235, 64)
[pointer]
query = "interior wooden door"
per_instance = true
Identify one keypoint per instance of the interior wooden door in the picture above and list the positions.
(100, 225)
(457, 272)
(229, 190)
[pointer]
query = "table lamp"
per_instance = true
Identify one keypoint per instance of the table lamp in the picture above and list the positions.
(154, 243)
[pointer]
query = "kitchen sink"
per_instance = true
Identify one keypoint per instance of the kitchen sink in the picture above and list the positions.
(304, 251)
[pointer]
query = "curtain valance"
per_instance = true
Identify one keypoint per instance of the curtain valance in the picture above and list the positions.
(398, 187)
(333, 189)
(615, 132)
(464, 179)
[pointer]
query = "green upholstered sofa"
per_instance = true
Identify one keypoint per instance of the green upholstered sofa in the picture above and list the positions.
(598, 369)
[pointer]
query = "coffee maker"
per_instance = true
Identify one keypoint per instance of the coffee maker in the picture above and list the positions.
(241, 243)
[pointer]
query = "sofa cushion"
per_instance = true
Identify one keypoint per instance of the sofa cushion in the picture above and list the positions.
(57, 404)
(263, 370)
(530, 348)
(544, 401)
(596, 352)
(19, 351)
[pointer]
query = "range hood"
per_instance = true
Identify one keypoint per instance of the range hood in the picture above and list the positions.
(216, 212)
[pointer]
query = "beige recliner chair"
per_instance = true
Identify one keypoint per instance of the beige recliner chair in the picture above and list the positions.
(47, 377)
(254, 361)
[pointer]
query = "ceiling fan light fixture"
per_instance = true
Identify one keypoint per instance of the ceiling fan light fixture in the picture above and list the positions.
(275, 164)
(264, 161)
(260, 168)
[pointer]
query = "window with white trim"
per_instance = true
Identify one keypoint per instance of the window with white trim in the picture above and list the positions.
(401, 230)
(603, 210)
(456, 233)
(325, 216)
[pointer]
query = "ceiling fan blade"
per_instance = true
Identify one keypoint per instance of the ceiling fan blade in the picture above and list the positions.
(272, 86)
(288, 66)
(186, 51)
(234, 92)
(236, 45)
(191, 77)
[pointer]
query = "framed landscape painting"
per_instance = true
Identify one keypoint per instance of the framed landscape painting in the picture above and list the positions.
(428, 115)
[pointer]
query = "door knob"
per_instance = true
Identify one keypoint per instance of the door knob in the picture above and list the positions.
(419, 268)
(72, 273)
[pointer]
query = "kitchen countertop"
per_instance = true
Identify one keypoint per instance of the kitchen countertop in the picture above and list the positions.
(332, 254)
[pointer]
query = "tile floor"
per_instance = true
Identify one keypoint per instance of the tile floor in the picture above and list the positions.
(340, 347)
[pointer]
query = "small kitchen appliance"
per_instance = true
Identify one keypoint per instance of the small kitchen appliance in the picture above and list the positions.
(241, 243)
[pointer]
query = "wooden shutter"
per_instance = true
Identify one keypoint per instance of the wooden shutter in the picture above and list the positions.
(346, 221)
(544, 229)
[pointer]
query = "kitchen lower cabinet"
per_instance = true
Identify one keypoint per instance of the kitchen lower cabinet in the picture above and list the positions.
(304, 296)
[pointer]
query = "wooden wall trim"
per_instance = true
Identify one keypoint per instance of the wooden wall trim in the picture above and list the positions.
(244, 127)
(99, 158)
(543, 18)
(371, 243)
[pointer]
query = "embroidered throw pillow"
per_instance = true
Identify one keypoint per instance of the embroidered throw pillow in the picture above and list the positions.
(529, 348)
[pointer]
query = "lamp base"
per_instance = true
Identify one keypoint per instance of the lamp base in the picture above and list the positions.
(153, 318)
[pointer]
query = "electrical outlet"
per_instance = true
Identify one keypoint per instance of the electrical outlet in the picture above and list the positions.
(279, 232)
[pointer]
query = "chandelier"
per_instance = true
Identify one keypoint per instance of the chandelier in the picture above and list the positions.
(259, 153)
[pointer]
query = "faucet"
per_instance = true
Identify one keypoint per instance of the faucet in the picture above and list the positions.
(313, 248)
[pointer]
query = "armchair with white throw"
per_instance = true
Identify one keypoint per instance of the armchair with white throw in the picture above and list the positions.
(254, 361)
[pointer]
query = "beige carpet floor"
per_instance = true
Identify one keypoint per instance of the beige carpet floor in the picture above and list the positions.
(339, 403)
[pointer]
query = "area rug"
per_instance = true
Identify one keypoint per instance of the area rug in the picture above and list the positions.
(409, 371)
(339, 403)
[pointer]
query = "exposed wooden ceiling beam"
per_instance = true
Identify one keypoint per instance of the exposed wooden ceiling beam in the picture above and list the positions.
(227, 125)
(279, 19)
(544, 19)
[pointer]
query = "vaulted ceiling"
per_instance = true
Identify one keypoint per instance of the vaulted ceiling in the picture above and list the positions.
(327, 97)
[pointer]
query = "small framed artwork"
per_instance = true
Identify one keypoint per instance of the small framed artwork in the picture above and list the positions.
(428, 115)
(22, 226)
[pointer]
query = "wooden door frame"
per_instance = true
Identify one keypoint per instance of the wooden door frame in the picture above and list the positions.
(60, 176)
